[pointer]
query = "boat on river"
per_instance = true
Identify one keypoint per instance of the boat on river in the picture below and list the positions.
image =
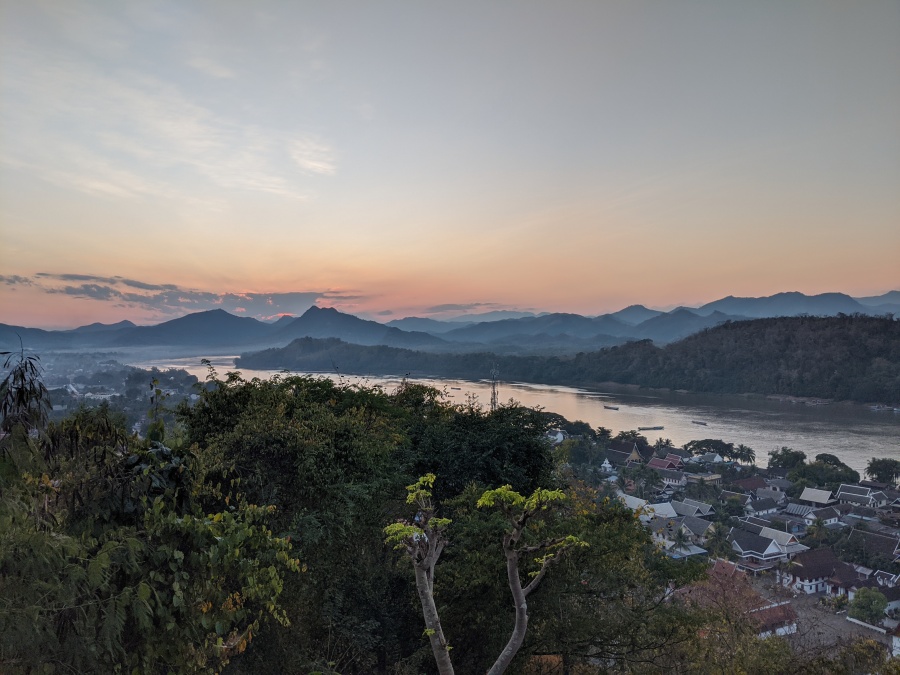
(650, 428)
(611, 407)
(702, 424)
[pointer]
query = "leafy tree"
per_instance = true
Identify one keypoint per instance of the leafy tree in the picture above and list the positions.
(424, 540)
(611, 600)
(828, 458)
(728, 640)
(730, 508)
(868, 605)
(786, 458)
(883, 470)
(701, 490)
(647, 481)
(107, 563)
(329, 457)
(710, 445)
(822, 475)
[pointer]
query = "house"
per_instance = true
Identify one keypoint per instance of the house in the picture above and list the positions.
(674, 479)
(676, 459)
(708, 478)
(792, 524)
(708, 458)
(661, 510)
(765, 493)
(619, 460)
(873, 544)
(786, 541)
(886, 578)
(798, 510)
(665, 533)
(875, 485)
(634, 452)
(779, 618)
(861, 496)
(700, 529)
(828, 515)
(690, 507)
(892, 595)
(779, 484)
(659, 463)
(761, 507)
(756, 553)
(750, 484)
(556, 436)
(633, 503)
(817, 571)
(816, 498)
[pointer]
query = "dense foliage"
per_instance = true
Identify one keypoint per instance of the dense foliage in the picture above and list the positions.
(845, 358)
(250, 538)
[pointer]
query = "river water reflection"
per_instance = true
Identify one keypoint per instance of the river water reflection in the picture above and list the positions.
(852, 432)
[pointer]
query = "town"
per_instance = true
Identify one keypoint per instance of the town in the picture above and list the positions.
(808, 541)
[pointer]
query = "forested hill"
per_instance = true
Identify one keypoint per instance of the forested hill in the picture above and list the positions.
(845, 358)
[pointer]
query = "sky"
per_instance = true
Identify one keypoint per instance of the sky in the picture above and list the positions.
(399, 159)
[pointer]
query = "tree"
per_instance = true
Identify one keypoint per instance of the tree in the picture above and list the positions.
(823, 475)
(786, 458)
(817, 531)
(423, 540)
(711, 445)
(680, 540)
(646, 480)
(701, 490)
(745, 454)
(717, 541)
(828, 458)
(107, 562)
(522, 513)
(883, 470)
(868, 605)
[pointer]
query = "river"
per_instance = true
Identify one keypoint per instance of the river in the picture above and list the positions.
(854, 433)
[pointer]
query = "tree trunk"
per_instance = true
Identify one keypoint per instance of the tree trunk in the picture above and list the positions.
(518, 635)
(432, 621)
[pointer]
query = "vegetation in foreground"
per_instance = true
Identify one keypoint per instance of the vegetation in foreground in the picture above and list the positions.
(250, 538)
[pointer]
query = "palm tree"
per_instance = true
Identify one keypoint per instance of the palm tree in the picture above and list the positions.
(717, 542)
(745, 454)
(817, 531)
(680, 539)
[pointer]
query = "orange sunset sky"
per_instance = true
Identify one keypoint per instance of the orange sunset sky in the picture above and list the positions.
(395, 158)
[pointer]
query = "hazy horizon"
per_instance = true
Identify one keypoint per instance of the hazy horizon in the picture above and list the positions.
(397, 160)
(439, 313)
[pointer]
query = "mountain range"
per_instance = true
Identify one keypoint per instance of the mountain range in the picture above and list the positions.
(527, 333)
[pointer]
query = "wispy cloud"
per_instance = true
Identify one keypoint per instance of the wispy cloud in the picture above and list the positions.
(313, 156)
(170, 300)
(460, 307)
(15, 280)
(122, 132)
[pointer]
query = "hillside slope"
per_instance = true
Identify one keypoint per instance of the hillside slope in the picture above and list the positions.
(846, 358)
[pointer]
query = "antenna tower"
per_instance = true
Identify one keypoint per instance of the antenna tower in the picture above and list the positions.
(495, 374)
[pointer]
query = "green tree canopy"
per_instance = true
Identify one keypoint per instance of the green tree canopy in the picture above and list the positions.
(868, 605)
(786, 458)
(883, 470)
